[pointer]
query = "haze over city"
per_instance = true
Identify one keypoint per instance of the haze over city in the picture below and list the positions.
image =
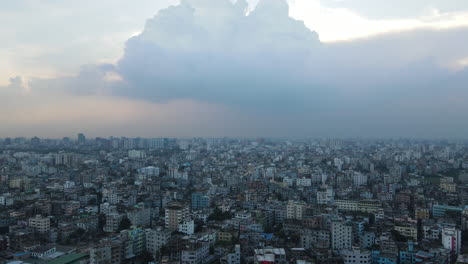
(234, 132)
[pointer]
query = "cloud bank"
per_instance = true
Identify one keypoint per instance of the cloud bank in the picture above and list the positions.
(271, 76)
(382, 9)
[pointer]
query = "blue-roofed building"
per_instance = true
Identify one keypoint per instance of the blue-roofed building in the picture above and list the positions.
(440, 210)
(407, 256)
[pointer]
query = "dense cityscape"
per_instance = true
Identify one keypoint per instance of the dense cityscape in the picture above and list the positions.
(232, 201)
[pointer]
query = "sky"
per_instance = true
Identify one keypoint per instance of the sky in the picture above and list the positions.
(262, 68)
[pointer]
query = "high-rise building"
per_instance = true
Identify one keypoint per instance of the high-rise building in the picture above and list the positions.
(135, 242)
(112, 223)
(342, 235)
(359, 179)
(175, 214)
(451, 239)
(81, 138)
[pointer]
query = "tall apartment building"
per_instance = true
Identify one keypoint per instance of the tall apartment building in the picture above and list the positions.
(295, 210)
(342, 235)
(156, 238)
(112, 223)
(325, 197)
(175, 214)
(451, 239)
(359, 179)
(135, 242)
(108, 251)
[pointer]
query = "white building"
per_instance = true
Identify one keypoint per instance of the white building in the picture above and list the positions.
(325, 197)
(342, 235)
(69, 185)
(356, 255)
(150, 171)
(136, 154)
(107, 208)
(346, 205)
(306, 182)
(187, 227)
(431, 232)
(359, 179)
(451, 239)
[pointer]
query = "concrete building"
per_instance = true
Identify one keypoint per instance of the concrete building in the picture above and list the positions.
(325, 197)
(359, 179)
(295, 210)
(139, 215)
(451, 239)
(195, 253)
(40, 224)
(187, 227)
(356, 255)
(200, 200)
(135, 241)
(235, 257)
(270, 256)
(342, 235)
(112, 223)
(422, 213)
(156, 238)
(409, 231)
(175, 214)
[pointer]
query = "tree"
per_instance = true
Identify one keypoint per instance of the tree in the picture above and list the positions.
(92, 201)
(398, 237)
(101, 221)
(219, 215)
(124, 224)
(147, 257)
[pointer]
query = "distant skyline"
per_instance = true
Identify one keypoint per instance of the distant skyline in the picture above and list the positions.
(215, 68)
